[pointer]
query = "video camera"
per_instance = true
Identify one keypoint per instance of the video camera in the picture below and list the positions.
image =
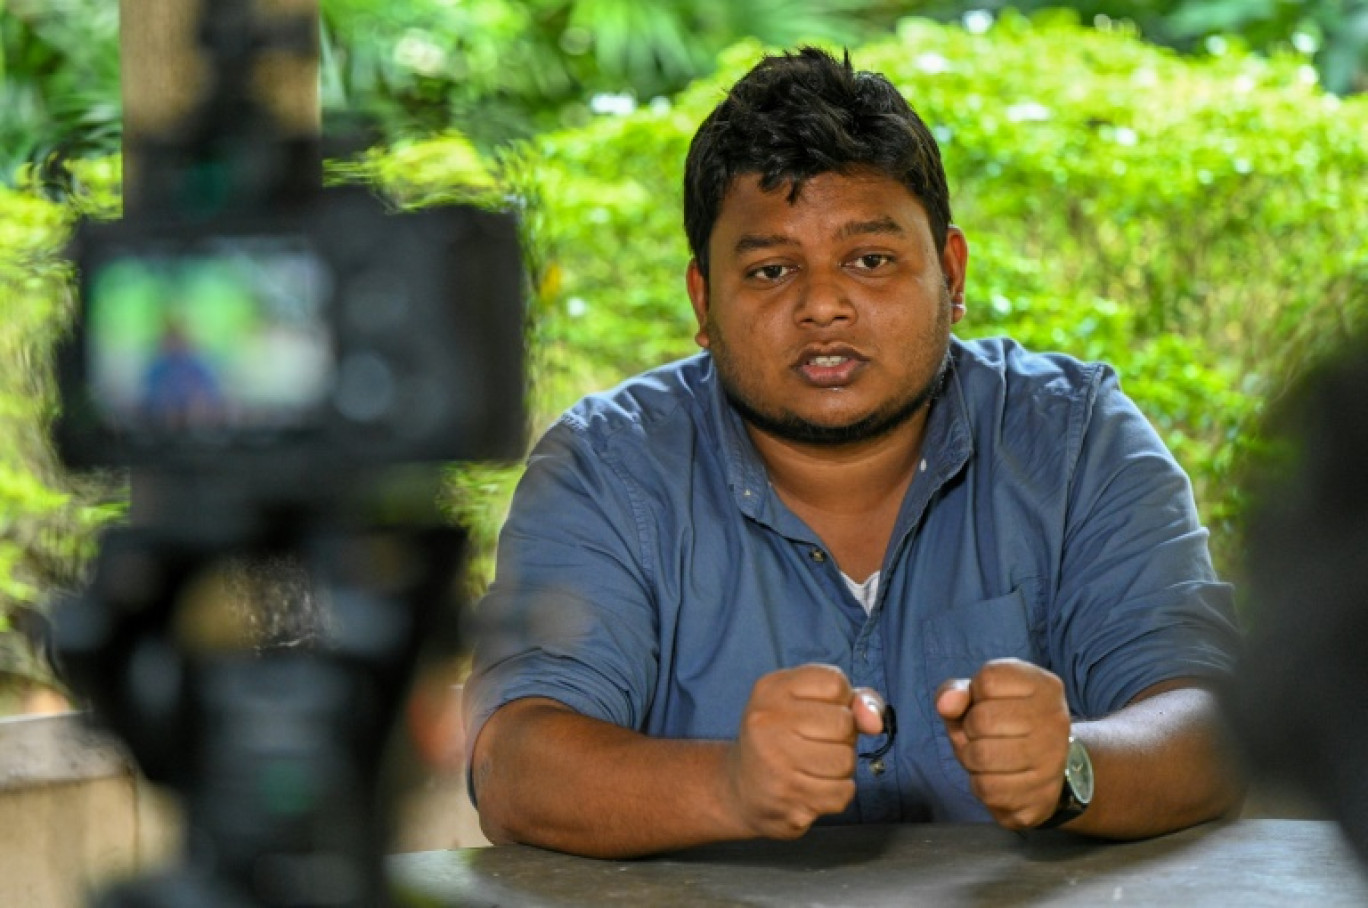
(294, 349)
(285, 370)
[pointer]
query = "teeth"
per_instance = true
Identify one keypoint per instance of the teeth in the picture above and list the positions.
(827, 361)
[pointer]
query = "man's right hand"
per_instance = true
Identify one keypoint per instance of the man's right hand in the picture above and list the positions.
(547, 776)
(794, 759)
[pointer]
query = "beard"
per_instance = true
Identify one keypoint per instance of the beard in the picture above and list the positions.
(789, 426)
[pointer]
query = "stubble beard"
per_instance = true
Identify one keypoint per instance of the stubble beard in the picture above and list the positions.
(789, 426)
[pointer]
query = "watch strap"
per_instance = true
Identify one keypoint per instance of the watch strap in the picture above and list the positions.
(1071, 805)
(1069, 808)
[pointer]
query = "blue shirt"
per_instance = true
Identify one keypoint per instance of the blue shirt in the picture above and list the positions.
(648, 574)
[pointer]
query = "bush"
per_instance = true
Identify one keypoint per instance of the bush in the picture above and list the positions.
(48, 521)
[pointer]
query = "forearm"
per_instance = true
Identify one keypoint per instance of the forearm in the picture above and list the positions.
(545, 775)
(1162, 763)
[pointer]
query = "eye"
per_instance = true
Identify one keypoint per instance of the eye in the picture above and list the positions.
(769, 273)
(871, 261)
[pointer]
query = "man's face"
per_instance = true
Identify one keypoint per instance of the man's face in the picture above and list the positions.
(828, 317)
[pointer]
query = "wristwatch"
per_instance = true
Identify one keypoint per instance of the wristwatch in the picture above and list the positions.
(1077, 792)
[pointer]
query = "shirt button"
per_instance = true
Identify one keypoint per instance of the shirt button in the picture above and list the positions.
(877, 767)
(818, 555)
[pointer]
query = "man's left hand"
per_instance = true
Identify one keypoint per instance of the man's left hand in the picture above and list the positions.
(1009, 726)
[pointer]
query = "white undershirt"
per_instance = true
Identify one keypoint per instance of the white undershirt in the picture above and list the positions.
(864, 593)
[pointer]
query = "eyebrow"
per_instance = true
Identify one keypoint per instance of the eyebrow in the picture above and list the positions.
(753, 242)
(877, 225)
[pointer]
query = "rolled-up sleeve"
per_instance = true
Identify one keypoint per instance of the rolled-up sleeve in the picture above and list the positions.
(570, 616)
(1139, 602)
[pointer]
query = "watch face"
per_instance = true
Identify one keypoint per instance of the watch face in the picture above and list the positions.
(1079, 772)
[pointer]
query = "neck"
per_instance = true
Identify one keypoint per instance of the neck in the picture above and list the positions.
(847, 481)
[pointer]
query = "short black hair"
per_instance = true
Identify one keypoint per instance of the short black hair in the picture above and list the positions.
(800, 114)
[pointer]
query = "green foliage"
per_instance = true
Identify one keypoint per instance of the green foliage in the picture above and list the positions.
(502, 70)
(96, 187)
(441, 170)
(59, 80)
(479, 494)
(47, 522)
(1332, 34)
(499, 70)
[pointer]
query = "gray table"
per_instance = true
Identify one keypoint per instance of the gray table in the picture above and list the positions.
(1245, 863)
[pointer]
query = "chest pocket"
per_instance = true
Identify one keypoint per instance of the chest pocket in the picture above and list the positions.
(956, 644)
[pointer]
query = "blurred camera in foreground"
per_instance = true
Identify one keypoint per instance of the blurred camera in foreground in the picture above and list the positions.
(309, 346)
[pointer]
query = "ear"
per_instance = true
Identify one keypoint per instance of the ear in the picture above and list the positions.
(955, 265)
(698, 295)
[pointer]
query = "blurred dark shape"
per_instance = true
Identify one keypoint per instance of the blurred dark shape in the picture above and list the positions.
(253, 633)
(1301, 705)
(274, 597)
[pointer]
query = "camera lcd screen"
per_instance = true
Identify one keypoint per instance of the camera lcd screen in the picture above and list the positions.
(226, 336)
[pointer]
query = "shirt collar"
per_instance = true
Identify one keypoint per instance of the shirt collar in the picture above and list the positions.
(746, 476)
(946, 447)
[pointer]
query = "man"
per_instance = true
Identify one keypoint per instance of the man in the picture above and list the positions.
(715, 577)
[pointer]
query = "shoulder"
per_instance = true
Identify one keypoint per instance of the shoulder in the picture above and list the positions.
(652, 407)
(647, 431)
(1046, 407)
(1001, 366)
(614, 467)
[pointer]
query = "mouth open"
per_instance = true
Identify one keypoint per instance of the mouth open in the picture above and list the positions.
(830, 369)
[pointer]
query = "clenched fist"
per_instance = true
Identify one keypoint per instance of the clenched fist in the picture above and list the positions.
(1009, 726)
(794, 759)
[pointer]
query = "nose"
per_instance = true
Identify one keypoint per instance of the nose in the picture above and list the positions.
(824, 301)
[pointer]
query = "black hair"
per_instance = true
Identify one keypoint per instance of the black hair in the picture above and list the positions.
(798, 115)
